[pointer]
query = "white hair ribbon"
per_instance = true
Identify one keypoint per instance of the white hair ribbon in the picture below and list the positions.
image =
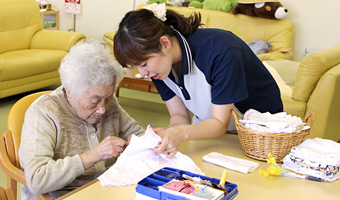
(159, 10)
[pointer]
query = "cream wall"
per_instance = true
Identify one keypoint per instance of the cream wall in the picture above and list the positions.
(97, 17)
(316, 23)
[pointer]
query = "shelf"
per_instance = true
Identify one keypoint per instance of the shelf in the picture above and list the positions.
(50, 19)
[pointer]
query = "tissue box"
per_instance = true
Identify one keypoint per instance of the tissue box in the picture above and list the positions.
(151, 186)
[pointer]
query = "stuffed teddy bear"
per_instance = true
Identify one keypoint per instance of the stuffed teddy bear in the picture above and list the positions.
(271, 9)
(220, 5)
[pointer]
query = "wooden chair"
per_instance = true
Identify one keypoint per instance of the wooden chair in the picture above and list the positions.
(6, 194)
(10, 142)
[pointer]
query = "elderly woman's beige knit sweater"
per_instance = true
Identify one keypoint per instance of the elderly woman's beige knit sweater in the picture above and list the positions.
(52, 138)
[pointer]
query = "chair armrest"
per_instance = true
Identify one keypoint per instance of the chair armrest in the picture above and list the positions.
(108, 38)
(56, 40)
(11, 170)
(324, 102)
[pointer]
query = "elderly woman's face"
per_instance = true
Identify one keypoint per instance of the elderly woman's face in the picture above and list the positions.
(93, 103)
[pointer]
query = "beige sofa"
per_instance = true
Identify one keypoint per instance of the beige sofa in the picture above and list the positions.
(312, 85)
(278, 33)
(29, 55)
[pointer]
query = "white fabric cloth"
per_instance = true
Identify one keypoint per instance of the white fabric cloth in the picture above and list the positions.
(139, 160)
(272, 123)
(236, 164)
(159, 10)
(315, 157)
(324, 151)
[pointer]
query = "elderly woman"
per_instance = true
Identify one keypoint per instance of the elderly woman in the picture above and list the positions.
(75, 133)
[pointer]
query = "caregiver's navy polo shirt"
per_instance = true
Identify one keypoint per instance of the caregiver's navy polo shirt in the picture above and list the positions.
(219, 68)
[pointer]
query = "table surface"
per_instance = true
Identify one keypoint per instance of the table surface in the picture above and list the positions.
(250, 186)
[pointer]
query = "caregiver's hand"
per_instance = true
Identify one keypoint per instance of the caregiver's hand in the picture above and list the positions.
(172, 138)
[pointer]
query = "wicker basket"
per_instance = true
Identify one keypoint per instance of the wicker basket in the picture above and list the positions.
(258, 145)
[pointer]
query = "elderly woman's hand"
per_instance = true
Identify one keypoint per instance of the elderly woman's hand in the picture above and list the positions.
(110, 147)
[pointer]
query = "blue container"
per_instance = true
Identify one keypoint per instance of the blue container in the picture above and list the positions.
(149, 185)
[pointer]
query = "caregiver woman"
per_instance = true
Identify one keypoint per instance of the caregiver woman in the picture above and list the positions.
(206, 71)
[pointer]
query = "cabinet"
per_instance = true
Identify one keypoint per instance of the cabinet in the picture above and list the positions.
(131, 82)
(144, 85)
(50, 19)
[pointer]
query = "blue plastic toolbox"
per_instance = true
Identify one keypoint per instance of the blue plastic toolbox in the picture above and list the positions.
(150, 185)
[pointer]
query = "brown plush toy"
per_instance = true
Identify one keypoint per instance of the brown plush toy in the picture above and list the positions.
(261, 8)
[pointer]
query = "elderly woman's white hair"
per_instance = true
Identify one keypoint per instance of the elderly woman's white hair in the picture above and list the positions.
(88, 63)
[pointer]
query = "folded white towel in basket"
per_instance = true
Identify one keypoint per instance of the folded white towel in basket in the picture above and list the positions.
(273, 123)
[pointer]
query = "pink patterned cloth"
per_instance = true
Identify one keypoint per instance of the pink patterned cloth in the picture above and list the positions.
(179, 186)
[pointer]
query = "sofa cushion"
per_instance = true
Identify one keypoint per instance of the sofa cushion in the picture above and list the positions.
(285, 89)
(287, 70)
(284, 72)
(26, 63)
(311, 68)
(279, 33)
(296, 108)
(272, 31)
(19, 21)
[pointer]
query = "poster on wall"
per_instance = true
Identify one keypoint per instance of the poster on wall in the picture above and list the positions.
(73, 6)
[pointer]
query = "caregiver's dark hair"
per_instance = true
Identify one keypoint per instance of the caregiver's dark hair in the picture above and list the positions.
(140, 31)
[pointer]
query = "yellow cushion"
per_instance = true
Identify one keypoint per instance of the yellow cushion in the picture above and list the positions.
(17, 86)
(266, 29)
(19, 21)
(25, 63)
(284, 72)
(296, 108)
(284, 88)
(312, 67)
(57, 40)
(287, 70)
(108, 38)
